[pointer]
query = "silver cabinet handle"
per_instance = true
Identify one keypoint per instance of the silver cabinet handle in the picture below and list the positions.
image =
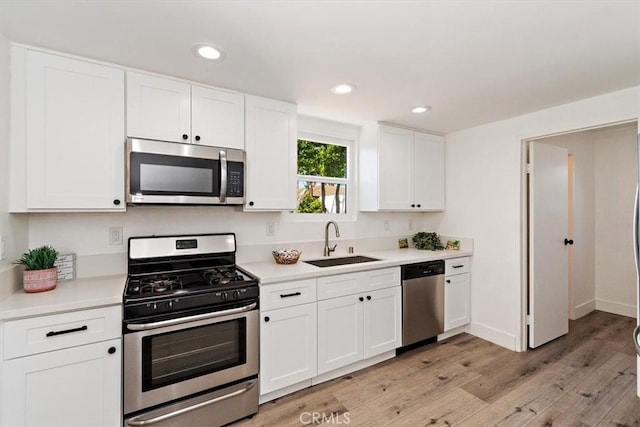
(223, 176)
(139, 421)
(636, 339)
(171, 322)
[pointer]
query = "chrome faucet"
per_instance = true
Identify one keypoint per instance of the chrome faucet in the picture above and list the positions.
(327, 249)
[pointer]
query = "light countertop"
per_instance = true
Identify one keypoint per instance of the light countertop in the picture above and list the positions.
(269, 272)
(69, 295)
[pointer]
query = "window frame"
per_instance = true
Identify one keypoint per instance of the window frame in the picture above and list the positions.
(349, 181)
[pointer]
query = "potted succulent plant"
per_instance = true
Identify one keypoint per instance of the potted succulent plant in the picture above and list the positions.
(40, 275)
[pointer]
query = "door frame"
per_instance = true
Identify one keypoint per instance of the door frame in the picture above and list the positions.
(524, 221)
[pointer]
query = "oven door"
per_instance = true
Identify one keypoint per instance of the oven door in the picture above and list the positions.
(175, 358)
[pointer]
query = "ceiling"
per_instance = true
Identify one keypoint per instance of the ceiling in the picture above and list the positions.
(473, 62)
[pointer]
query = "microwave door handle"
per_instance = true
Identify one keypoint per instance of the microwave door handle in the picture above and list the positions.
(223, 176)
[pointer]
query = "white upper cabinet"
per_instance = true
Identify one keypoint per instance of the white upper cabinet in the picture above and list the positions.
(217, 118)
(400, 170)
(158, 108)
(67, 138)
(170, 110)
(271, 146)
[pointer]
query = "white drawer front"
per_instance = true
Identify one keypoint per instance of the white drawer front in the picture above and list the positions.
(339, 285)
(455, 266)
(57, 331)
(381, 279)
(287, 294)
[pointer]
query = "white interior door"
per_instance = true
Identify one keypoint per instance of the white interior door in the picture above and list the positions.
(548, 260)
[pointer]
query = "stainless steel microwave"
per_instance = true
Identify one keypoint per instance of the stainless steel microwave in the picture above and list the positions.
(160, 172)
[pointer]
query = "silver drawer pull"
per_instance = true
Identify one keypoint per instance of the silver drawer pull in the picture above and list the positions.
(138, 421)
(66, 331)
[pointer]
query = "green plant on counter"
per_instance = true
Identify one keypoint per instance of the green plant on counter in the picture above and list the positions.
(427, 241)
(41, 258)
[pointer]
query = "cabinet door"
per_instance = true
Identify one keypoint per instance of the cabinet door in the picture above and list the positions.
(158, 108)
(339, 332)
(395, 163)
(79, 386)
(288, 346)
(271, 145)
(75, 134)
(456, 301)
(217, 118)
(428, 163)
(382, 321)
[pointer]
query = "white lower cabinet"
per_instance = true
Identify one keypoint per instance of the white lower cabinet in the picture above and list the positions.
(77, 386)
(357, 316)
(288, 337)
(359, 326)
(457, 284)
(63, 370)
(288, 346)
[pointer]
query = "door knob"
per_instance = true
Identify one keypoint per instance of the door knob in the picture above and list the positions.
(568, 242)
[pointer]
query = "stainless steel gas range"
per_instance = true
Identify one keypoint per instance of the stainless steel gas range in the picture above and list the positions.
(190, 333)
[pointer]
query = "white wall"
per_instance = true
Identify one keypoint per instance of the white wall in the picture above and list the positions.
(484, 200)
(583, 294)
(616, 175)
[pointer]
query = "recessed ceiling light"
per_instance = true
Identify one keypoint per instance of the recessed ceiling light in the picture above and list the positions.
(208, 51)
(419, 110)
(343, 88)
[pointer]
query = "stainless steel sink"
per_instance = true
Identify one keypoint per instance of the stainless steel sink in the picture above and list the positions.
(332, 262)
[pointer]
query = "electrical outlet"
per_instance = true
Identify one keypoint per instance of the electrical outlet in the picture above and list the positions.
(115, 236)
(410, 225)
(3, 248)
(271, 228)
(386, 225)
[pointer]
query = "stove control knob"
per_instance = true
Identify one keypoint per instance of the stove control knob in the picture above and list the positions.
(236, 294)
(223, 296)
(154, 307)
(170, 304)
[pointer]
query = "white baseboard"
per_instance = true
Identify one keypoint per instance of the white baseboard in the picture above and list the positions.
(284, 391)
(496, 336)
(353, 367)
(452, 332)
(583, 309)
(628, 310)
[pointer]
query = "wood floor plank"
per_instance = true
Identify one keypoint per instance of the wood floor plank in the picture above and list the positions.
(592, 399)
(626, 413)
(530, 398)
(450, 409)
(552, 417)
(585, 378)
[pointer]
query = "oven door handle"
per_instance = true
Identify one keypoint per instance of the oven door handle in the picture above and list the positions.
(139, 421)
(178, 321)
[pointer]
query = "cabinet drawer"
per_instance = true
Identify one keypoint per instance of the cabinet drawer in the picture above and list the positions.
(455, 266)
(287, 294)
(381, 279)
(339, 285)
(57, 331)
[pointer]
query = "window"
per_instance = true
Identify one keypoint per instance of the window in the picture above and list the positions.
(323, 176)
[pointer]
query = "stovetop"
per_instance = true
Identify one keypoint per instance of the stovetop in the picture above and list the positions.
(179, 283)
(175, 275)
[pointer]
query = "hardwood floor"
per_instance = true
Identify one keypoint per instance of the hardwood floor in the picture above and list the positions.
(586, 378)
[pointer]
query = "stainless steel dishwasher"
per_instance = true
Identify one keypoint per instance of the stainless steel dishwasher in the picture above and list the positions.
(422, 301)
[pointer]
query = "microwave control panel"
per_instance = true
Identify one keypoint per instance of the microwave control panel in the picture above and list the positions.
(235, 179)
